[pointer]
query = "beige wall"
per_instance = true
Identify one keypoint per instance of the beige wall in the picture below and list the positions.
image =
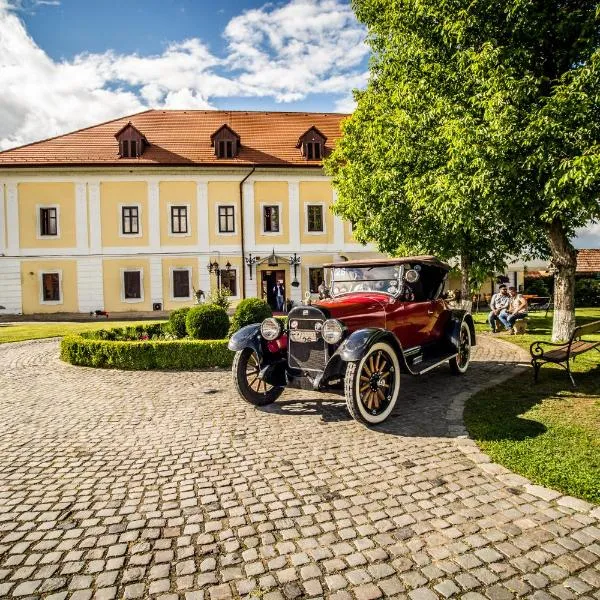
(32, 196)
(312, 261)
(113, 195)
(113, 284)
(348, 236)
(224, 193)
(168, 264)
(316, 192)
(272, 193)
(31, 272)
(178, 193)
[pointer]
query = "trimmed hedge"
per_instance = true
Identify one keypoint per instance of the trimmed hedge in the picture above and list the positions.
(249, 311)
(145, 355)
(207, 322)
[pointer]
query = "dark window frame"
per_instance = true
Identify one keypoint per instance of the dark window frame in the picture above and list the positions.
(127, 287)
(268, 209)
(226, 216)
(225, 149)
(49, 221)
(229, 275)
(314, 289)
(128, 219)
(55, 289)
(313, 150)
(179, 215)
(188, 283)
(311, 220)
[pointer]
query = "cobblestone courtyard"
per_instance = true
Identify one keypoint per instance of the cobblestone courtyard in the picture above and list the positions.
(164, 484)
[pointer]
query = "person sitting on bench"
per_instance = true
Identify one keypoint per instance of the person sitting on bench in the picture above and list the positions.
(498, 303)
(516, 309)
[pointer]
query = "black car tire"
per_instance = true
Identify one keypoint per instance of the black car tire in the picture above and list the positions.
(363, 398)
(245, 366)
(460, 363)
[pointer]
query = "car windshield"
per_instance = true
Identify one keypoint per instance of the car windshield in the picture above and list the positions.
(382, 278)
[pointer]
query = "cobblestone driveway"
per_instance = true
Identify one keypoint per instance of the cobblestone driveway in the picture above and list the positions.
(131, 485)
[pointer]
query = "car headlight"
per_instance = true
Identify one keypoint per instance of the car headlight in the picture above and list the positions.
(332, 331)
(271, 329)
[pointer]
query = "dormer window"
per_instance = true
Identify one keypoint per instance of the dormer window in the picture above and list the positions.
(226, 142)
(312, 144)
(132, 142)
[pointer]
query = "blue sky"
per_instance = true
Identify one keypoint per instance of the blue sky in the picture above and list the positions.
(66, 64)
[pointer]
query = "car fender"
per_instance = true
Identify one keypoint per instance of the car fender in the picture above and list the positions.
(358, 343)
(247, 337)
(453, 329)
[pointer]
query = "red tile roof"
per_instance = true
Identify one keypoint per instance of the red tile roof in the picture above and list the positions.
(588, 261)
(182, 137)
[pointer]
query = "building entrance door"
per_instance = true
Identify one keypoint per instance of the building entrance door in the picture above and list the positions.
(269, 280)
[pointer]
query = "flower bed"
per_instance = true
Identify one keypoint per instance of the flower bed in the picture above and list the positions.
(143, 347)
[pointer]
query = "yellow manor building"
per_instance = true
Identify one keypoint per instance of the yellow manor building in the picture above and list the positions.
(149, 211)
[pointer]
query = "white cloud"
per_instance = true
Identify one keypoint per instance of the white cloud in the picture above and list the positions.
(588, 237)
(284, 52)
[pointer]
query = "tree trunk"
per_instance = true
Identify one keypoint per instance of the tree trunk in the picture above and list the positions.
(465, 271)
(564, 259)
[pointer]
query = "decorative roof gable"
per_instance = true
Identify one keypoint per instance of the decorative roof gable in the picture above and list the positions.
(132, 142)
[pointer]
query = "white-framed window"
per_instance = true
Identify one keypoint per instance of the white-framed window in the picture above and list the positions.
(179, 220)
(315, 218)
(48, 221)
(271, 219)
(130, 220)
(51, 287)
(315, 279)
(181, 283)
(132, 285)
(226, 219)
(230, 281)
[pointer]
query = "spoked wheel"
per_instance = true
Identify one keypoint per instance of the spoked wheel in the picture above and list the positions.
(460, 363)
(372, 385)
(249, 385)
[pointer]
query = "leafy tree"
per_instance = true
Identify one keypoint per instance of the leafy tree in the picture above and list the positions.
(477, 133)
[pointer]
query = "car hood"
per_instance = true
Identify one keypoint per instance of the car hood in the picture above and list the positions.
(358, 310)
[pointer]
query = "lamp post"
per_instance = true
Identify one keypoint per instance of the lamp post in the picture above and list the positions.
(295, 261)
(213, 267)
(251, 261)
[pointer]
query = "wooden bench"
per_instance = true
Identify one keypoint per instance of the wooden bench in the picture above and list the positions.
(561, 354)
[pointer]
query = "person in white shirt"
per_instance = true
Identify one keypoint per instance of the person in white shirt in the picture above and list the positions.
(516, 309)
(498, 303)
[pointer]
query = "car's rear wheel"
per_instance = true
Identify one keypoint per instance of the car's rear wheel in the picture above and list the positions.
(460, 363)
(250, 386)
(372, 385)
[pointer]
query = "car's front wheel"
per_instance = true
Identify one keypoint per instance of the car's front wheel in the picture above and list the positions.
(372, 384)
(250, 386)
(460, 363)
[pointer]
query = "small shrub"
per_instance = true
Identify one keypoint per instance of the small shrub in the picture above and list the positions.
(207, 322)
(177, 322)
(587, 292)
(220, 298)
(248, 311)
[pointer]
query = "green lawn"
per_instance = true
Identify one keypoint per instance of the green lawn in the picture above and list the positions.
(33, 331)
(547, 432)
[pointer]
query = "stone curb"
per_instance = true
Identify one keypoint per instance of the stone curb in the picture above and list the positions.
(468, 446)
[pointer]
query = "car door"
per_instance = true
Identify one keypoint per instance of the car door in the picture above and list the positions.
(410, 321)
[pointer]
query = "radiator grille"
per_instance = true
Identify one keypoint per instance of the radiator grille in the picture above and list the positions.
(307, 356)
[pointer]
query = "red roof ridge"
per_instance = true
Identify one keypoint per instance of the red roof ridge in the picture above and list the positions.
(56, 137)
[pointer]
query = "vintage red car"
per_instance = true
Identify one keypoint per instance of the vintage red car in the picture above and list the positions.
(378, 319)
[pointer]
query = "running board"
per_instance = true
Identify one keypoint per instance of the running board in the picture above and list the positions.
(427, 365)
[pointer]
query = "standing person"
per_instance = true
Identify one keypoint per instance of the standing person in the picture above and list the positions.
(279, 292)
(517, 309)
(498, 303)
